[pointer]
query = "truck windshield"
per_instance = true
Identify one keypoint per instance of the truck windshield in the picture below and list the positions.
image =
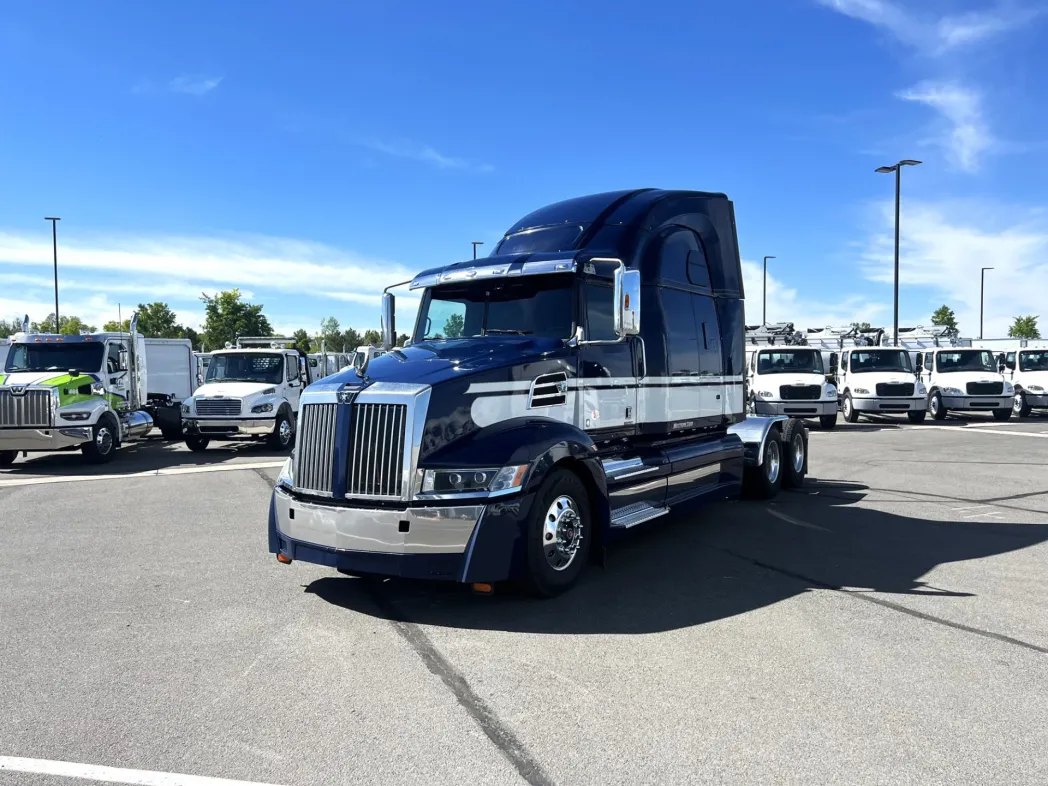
(528, 306)
(82, 356)
(880, 360)
(965, 360)
(1034, 361)
(246, 367)
(790, 361)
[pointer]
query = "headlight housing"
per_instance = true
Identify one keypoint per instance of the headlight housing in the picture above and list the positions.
(267, 407)
(98, 389)
(765, 394)
(831, 391)
(921, 390)
(861, 391)
(1008, 388)
(487, 482)
(287, 472)
(953, 391)
(74, 415)
(1035, 388)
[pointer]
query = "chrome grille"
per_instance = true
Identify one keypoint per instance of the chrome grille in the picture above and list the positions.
(221, 407)
(376, 454)
(315, 451)
(32, 409)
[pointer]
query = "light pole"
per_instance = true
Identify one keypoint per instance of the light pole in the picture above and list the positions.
(982, 292)
(764, 310)
(54, 245)
(475, 244)
(897, 169)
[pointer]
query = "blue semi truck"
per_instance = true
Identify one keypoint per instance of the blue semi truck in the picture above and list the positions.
(585, 378)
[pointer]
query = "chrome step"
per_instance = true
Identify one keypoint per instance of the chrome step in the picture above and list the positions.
(637, 513)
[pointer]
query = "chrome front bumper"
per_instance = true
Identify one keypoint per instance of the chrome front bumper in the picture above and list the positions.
(445, 530)
(889, 404)
(252, 427)
(37, 440)
(795, 409)
(977, 403)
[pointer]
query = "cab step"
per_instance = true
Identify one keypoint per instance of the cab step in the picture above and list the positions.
(637, 513)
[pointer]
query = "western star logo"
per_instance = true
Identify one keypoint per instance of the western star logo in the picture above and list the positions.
(18, 390)
(346, 395)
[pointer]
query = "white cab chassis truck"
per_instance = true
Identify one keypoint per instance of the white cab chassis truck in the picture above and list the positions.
(786, 378)
(882, 381)
(965, 379)
(90, 392)
(1027, 369)
(251, 390)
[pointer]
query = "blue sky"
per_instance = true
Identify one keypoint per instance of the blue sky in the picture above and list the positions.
(312, 154)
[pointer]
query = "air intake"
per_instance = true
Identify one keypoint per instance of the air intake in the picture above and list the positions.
(549, 390)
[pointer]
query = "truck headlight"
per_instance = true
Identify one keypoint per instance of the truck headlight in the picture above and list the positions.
(1035, 388)
(98, 389)
(831, 391)
(921, 390)
(262, 408)
(861, 391)
(74, 415)
(765, 394)
(186, 407)
(287, 472)
(953, 391)
(472, 481)
(1008, 388)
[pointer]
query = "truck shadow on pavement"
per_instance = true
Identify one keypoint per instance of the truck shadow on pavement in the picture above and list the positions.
(729, 559)
(149, 455)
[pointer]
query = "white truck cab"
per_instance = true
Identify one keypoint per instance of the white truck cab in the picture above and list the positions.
(879, 380)
(786, 378)
(1027, 369)
(251, 390)
(965, 379)
(365, 354)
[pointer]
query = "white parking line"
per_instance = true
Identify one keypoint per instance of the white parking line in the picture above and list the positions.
(94, 772)
(8, 482)
(982, 430)
(795, 522)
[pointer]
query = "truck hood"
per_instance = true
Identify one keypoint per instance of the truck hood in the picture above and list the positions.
(872, 378)
(233, 389)
(432, 362)
(49, 378)
(775, 380)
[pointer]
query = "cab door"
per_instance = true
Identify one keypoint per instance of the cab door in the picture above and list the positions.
(607, 376)
(294, 380)
(117, 374)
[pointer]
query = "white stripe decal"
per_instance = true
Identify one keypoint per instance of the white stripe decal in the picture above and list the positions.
(8, 482)
(95, 772)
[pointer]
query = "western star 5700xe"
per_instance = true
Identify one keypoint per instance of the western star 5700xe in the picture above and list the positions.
(584, 379)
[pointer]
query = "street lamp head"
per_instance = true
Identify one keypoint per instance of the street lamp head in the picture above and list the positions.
(989, 268)
(52, 218)
(908, 162)
(769, 257)
(885, 170)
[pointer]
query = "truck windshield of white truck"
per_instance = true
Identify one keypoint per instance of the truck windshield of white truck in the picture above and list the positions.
(1034, 361)
(532, 306)
(55, 357)
(966, 360)
(790, 361)
(880, 360)
(246, 367)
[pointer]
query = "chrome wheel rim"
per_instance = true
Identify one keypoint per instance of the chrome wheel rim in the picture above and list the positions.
(798, 453)
(935, 405)
(773, 460)
(104, 440)
(284, 431)
(847, 407)
(561, 533)
(1017, 402)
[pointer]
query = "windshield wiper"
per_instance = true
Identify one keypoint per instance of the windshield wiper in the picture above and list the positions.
(507, 331)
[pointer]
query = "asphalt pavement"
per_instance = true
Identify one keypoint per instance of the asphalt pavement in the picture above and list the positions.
(887, 624)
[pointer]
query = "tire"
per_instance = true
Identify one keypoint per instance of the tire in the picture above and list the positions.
(7, 457)
(559, 533)
(916, 415)
(935, 405)
(283, 436)
(171, 434)
(196, 443)
(795, 466)
(1002, 414)
(851, 414)
(828, 421)
(1020, 407)
(105, 439)
(764, 482)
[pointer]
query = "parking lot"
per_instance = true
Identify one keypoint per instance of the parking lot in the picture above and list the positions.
(887, 624)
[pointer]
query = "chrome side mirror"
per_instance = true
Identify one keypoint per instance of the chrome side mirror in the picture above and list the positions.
(389, 329)
(627, 300)
(123, 360)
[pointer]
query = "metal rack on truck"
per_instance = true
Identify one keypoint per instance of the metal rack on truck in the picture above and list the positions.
(535, 415)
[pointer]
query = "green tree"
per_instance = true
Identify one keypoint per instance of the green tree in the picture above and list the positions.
(157, 320)
(67, 326)
(372, 337)
(8, 329)
(454, 326)
(351, 339)
(943, 316)
(112, 326)
(302, 340)
(331, 335)
(227, 316)
(403, 339)
(192, 335)
(1024, 327)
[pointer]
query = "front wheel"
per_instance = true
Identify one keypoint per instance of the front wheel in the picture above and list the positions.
(196, 443)
(282, 434)
(7, 457)
(828, 421)
(1020, 406)
(935, 406)
(1002, 414)
(103, 444)
(559, 533)
(916, 415)
(851, 414)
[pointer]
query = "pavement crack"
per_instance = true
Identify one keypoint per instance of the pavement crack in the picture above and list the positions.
(479, 710)
(887, 604)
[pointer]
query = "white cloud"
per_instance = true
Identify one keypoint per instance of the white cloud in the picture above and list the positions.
(786, 304)
(194, 84)
(967, 136)
(138, 291)
(423, 153)
(944, 247)
(928, 34)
